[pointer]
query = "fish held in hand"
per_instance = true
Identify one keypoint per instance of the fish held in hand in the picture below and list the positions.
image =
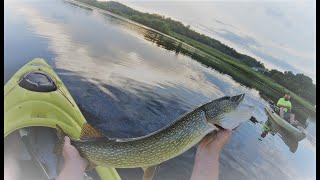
(168, 142)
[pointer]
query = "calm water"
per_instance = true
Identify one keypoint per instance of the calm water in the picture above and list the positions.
(130, 81)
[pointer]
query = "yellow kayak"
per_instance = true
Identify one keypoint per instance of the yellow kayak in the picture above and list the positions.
(284, 124)
(36, 96)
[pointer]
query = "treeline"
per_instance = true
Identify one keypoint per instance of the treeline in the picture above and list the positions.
(299, 83)
(168, 25)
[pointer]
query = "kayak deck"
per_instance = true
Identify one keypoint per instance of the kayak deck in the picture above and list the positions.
(25, 108)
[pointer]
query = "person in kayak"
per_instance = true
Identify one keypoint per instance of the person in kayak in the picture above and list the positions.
(285, 107)
(206, 165)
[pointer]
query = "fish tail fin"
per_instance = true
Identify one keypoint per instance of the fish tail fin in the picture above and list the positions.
(60, 142)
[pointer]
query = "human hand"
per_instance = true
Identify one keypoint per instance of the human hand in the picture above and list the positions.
(214, 142)
(72, 157)
(74, 165)
(206, 165)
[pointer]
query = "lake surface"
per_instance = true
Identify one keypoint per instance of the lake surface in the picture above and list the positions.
(130, 81)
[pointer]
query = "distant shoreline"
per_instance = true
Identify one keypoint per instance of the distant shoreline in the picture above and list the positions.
(237, 69)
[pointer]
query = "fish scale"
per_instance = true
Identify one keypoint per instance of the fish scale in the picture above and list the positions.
(151, 150)
(166, 143)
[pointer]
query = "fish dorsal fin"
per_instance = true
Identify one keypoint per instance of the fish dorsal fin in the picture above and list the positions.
(146, 136)
(89, 132)
(160, 130)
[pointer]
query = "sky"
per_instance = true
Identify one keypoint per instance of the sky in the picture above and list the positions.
(281, 33)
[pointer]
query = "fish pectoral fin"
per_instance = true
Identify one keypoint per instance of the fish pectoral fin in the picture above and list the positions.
(89, 132)
(149, 172)
(91, 166)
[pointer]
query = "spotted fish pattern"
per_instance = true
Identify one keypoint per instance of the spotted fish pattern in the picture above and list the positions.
(160, 146)
(151, 150)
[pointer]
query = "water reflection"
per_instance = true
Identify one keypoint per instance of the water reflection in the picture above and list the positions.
(129, 81)
(272, 128)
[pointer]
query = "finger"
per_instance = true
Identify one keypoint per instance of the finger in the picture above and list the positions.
(223, 136)
(220, 140)
(227, 131)
(207, 139)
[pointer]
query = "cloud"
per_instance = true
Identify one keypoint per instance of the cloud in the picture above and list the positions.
(70, 51)
(224, 24)
(279, 63)
(258, 51)
(274, 12)
(245, 40)
(278, 15)
(282, 29)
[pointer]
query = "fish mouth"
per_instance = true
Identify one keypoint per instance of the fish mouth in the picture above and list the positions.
(238, 98)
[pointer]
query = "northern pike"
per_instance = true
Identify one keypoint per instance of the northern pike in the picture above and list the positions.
(164, 144)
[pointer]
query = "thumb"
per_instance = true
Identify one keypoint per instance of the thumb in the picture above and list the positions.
(66, 140)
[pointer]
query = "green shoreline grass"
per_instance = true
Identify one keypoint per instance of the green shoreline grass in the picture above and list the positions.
(261, 82)
(239, 72)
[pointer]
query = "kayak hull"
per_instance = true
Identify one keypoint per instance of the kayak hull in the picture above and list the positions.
(24, 108)
(284, 124)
